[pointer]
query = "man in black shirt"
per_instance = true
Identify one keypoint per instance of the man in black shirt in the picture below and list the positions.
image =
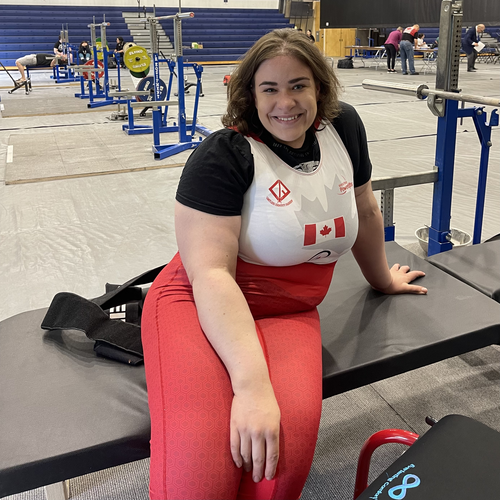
(407, 48)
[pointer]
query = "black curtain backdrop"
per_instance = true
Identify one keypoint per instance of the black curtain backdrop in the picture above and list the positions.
(393, 13)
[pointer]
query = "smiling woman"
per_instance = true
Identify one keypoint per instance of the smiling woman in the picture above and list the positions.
(287, 107)
(231, 334)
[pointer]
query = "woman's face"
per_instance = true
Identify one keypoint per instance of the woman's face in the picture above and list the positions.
(286, 98)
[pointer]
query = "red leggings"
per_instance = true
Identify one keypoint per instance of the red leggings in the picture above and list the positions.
(190, 392)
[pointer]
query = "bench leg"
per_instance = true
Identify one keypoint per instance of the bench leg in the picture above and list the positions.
(57, 491)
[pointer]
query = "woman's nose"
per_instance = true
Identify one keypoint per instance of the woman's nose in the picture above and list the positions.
(286, 100)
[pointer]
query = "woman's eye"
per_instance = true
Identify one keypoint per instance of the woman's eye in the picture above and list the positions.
(269, 91)
(298, 87)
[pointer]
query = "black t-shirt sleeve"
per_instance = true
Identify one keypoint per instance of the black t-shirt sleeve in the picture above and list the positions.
(217, 174)
(352, 132)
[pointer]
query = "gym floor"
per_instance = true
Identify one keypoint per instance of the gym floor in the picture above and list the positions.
(82, 204)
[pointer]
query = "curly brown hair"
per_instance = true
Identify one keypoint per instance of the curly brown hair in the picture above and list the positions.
(241, 112)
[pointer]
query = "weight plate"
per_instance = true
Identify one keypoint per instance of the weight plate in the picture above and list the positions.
(136, 59)
(140, 74)
(128, 45)
(148, 84)
(98, 45)
(92, 75)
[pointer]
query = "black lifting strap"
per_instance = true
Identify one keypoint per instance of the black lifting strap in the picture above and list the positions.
(114, 339)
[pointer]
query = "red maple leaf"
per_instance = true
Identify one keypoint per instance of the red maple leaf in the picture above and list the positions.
(326, 230)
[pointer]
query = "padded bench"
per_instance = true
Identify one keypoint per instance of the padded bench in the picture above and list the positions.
(458, 458)
(65, 412)
(478, 266)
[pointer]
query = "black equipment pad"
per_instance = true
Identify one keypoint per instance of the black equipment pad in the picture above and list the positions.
(476, 265)
(368, 336)
(458, 458)
(65, 412)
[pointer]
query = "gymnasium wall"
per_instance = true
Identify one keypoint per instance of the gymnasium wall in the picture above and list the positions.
(391, 13)
(186, 4)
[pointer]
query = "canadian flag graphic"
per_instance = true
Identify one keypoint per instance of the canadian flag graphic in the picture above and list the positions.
(323, 231)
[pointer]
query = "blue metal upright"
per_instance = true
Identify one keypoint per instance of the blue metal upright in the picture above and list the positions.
(186, 137)
(65, 74)
(101, 84)
(186, 141)
(439, 239)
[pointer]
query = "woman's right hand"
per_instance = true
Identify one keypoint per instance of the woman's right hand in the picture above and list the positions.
(255, 428)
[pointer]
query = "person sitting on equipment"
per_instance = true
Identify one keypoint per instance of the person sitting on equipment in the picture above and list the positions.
(119, 50)
(38, 60)
(84, 52)
(59, 50)
(58, 47)
(230, 330)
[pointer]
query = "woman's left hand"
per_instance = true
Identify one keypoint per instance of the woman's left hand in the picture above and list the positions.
(401, 279)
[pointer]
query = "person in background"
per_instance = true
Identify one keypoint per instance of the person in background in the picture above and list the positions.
(407, 49)
(391, 47)
(469, 42)
(230, 330)
(84, 52)
(420, 42)
(120, 50)
(58, 48)
(310, 36)
(38, 60)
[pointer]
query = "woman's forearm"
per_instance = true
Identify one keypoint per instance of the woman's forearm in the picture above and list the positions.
(229, 326)
(369, 249)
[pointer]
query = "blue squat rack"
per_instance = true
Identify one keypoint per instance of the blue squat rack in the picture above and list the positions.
(160, 107)
(102, 87)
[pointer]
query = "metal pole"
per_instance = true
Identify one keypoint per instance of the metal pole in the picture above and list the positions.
(422, 91)
(450, 34)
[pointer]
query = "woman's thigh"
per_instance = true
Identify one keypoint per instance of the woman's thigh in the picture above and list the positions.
(190, 398)
(292, 346)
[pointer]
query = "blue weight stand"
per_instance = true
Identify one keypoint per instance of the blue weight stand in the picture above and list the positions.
(64, 74)
(131, 128)
(101, 89)
(186, 136)
(445, 162)
(159, 126)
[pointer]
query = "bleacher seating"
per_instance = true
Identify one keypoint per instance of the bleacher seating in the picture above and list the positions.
(226, 34)
(30, 29)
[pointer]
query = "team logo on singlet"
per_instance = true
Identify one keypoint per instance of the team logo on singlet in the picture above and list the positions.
(345, 186)
(279, 193)
(324, 231)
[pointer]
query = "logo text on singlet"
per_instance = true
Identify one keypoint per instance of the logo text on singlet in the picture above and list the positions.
(279, 192)
(344, 187)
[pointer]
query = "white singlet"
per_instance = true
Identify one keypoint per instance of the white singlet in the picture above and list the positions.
(291, 217)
